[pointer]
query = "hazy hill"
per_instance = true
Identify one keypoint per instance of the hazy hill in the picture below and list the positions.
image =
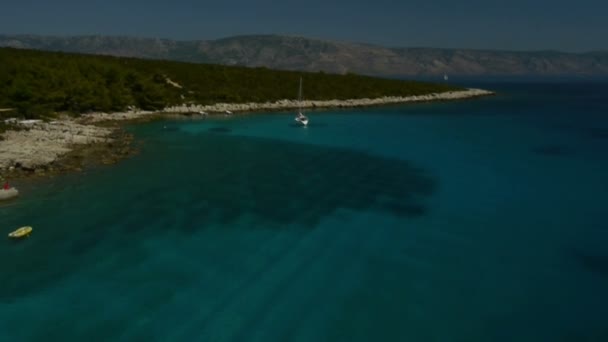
(297, 53)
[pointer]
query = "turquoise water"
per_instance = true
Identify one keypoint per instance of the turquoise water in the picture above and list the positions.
(479, 220)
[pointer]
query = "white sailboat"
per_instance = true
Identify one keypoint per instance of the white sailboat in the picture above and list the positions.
(445, 77)
(301, 118)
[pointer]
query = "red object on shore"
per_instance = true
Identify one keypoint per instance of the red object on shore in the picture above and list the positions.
(6, 186)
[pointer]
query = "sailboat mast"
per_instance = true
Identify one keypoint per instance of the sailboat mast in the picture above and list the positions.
(301, 118)
(300, 97)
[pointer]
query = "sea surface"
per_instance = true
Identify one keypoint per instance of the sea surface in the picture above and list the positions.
(476, 220)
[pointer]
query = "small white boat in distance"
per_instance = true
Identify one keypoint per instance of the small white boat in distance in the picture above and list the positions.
(301, 118)
(6, 194)
(445, 77)
(228, 112)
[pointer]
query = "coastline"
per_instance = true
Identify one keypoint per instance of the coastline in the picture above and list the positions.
(42, 149)
(222, 108)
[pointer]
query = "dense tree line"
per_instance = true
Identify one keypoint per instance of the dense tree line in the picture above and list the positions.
(37, 83)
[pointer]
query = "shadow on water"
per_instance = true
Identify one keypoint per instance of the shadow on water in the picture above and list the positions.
(170, 128)
(598, 133)
(211, 179)
(220, 130)
(597, 263)
(552, 151)
(312, 124)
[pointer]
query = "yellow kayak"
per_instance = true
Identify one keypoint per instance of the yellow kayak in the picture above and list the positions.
(20, 233)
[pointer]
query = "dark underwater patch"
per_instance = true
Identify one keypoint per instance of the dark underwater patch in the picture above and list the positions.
(552, 150)
(84, 243)
(170, 128)
(597, 263)
(220, 130)
(598, 133)
(283, 183)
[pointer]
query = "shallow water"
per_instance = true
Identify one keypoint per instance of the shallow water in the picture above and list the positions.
(464, 221)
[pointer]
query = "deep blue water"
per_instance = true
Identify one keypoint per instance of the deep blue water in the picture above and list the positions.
(478, 220)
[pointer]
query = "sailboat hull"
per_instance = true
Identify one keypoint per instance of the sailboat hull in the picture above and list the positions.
(302, 121)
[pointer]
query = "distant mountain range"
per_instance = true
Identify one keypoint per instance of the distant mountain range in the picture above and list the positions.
(298, 53)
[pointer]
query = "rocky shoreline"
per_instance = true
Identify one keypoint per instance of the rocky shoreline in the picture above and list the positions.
(229, 108)
(43, 149)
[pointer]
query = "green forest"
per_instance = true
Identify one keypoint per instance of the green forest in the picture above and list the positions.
(37, 84)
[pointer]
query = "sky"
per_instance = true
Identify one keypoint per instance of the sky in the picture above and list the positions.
(574, 26)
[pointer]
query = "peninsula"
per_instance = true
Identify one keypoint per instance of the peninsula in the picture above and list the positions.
(58, 109)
